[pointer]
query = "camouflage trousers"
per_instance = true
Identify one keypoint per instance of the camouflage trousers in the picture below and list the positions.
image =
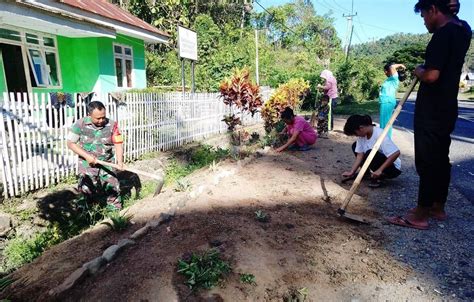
(94, 182)
(322, 126)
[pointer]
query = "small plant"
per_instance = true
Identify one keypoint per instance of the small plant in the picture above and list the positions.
(254, 137)
(118, 222)
(203, 270)
(247, 278)
(182, 185)
(296, 295)
(5, 282)
(261, 216)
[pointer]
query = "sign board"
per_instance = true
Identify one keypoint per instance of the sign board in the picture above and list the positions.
(187, 42)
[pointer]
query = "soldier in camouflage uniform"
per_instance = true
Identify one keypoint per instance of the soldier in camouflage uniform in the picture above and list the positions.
(94, 137)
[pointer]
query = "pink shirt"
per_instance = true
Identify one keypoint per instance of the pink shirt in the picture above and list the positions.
(307, 134)
(330, 87)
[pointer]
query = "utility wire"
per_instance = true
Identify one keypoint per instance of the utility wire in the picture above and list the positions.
(375, 26)
(324, 5)
(332, 8)
(268, 12)
(345, 9)
(362, 27)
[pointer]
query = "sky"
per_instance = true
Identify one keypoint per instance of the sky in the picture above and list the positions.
(375, 18)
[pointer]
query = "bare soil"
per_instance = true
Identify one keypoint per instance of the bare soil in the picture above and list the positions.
(304, 245)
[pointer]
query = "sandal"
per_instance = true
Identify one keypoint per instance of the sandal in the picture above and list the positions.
(403, 221)
(375, 183)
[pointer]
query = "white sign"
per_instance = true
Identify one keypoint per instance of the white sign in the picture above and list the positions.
(187, 42)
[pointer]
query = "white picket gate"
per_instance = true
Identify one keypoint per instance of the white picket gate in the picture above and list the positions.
(33, 132)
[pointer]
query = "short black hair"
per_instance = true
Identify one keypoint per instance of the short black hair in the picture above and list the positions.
(355, 121)
(444, 6)
(287, 114)
(94, 105)
(325, 97)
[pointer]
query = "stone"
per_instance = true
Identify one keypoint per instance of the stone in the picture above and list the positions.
(5, 223)
(123, 243)
(140, 232)
(95, 264)
(74, 278)
(110, 253)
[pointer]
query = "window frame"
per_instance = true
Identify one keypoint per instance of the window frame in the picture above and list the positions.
(124, 57)
(42, 48)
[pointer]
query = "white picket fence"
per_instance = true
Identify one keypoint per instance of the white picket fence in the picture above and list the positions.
(33, 132)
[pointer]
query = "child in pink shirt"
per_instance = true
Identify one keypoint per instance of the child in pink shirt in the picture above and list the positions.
(301, 134)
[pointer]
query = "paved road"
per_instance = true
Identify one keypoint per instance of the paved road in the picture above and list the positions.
(462, 146)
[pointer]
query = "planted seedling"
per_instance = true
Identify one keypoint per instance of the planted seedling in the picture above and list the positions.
(296, 295)
(261, 216)
(182, 185)
(247, 278)
(203, 270)
(118, 222)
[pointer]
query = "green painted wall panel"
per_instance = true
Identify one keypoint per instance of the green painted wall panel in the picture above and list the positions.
(3, 83)
(87, 64)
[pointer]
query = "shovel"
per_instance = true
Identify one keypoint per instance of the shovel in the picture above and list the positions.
(342, 210)
(157, 177)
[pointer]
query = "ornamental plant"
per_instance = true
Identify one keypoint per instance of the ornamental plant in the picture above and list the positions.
(290, 94)
(241, 95)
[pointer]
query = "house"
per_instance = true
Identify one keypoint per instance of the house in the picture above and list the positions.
(72, 46)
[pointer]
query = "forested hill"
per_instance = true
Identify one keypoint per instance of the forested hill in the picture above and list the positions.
(381, 49)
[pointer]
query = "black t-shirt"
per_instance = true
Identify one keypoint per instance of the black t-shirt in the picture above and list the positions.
(436, 103)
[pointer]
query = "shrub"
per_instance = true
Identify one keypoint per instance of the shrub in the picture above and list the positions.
(239, 93)
(290, 94)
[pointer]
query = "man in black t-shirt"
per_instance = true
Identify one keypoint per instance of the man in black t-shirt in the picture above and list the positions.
(436, 108)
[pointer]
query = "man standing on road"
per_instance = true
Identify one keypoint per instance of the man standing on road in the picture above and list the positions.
(436, 108)
(94, 137)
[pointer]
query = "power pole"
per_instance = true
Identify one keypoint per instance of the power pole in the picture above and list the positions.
(256, 58)
(350, 28)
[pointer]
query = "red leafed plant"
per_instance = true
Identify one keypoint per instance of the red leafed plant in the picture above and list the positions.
(241, 94)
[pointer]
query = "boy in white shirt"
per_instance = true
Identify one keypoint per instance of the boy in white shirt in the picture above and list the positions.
(386, 162)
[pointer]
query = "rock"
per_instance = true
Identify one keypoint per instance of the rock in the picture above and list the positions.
(77, 276)
(5, 223)
(123, 243)
(110, 253)
(94, 265)
(140, 232)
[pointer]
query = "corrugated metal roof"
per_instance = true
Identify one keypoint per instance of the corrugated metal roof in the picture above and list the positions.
(111, 11)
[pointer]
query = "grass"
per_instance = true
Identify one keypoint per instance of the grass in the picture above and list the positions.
(203, 270)
(365, 107)
(20, 251)
(199, 157)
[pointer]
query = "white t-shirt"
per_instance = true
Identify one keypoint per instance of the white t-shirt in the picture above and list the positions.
(387, 147)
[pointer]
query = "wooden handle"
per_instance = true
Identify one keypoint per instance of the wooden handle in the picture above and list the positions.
(376, 147)
(139, 172)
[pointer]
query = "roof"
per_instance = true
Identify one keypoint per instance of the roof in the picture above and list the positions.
(112, 11)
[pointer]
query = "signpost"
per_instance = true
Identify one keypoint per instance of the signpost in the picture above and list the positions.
(187, 43)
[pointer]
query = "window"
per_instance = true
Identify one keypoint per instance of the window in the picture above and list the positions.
(123, 56)
(41, 53)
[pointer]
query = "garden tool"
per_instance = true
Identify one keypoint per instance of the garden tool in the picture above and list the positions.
(157, 177)
(342, 210)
